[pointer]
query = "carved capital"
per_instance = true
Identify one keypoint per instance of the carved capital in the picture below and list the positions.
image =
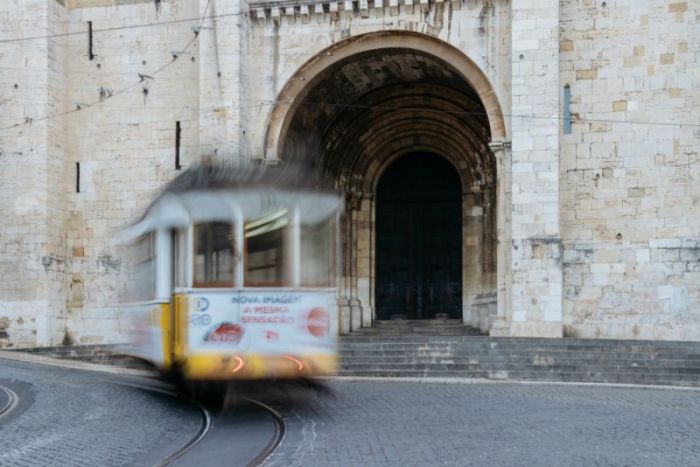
(354, 200)
(501, 145)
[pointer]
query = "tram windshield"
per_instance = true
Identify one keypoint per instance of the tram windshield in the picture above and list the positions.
(214, 254)
(265, 262)
(239, 237)
(318, 252)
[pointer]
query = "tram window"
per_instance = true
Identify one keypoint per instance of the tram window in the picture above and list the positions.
(318, 254)
(264, 245)
(143, 287)
(214, 255)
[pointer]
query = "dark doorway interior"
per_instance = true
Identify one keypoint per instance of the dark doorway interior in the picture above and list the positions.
(419, 239)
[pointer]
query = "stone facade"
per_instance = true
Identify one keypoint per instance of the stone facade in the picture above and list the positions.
(589, 233)
(630, 196)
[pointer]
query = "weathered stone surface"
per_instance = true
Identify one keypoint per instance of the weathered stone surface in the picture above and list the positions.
(592, 233)
(645, 210)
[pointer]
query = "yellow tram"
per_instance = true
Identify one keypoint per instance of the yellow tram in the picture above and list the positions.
(233, 276)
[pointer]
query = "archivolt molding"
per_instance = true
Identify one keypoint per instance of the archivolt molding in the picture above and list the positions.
(358, 140)
(320, 66)
(392, 94)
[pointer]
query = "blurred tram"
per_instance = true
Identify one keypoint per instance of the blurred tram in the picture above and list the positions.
(233, 276)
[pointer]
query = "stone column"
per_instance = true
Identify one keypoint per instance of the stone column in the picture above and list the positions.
(536, 297)
(472, 253)
(343, 314)
(345, 299)
(364, 255)
(355, 304)
(502, 153)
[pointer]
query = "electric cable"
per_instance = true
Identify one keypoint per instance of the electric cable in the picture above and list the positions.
(142, 78)
(260, 103)
(119, 28)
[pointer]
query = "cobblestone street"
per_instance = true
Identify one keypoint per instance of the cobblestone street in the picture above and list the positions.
(397, 423)
(349, 233)
(67, 417)
(70, 417)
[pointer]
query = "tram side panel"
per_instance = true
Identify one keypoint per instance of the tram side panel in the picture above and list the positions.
(256, 334)
(146, 302)
(150, 330)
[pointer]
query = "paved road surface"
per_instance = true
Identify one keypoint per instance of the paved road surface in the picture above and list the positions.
(69, 417)
(406, 424)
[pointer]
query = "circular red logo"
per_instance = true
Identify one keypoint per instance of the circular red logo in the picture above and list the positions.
(318, 322)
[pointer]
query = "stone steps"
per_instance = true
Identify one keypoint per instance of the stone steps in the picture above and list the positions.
(418, 331)
(523, 355)
(517, 367)
(396, 350)
(504, 341)
(526, 373)
(521, 360)
(446, 327)
(496, 358)
(514, 351)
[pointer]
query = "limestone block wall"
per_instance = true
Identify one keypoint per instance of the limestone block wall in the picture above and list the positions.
(62, 271)
(125, 145)
(630, 207)
(33, 260)
(222, 55)
(536, 282)
(605, 221)
(57, 184)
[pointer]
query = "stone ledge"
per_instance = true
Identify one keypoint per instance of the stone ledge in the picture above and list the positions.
(457, 380)
(33, 358)
(75, 4)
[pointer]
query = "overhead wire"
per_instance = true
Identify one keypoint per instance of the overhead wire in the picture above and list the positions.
(119, 28)
(142, 78)
(176, 21)
(268, 102)
(466, 113)
(486, 114)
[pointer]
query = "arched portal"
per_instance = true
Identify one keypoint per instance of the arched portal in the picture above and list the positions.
(419, 239)
(370, 100)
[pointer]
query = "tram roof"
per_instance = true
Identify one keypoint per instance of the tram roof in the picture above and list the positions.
(208, 193)
(246, 175)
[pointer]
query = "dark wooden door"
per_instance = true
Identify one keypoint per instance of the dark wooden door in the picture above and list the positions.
(419, 239)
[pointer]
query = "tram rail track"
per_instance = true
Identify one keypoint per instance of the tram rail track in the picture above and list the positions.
(276, 439)
(12, 401)
(201, 433)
